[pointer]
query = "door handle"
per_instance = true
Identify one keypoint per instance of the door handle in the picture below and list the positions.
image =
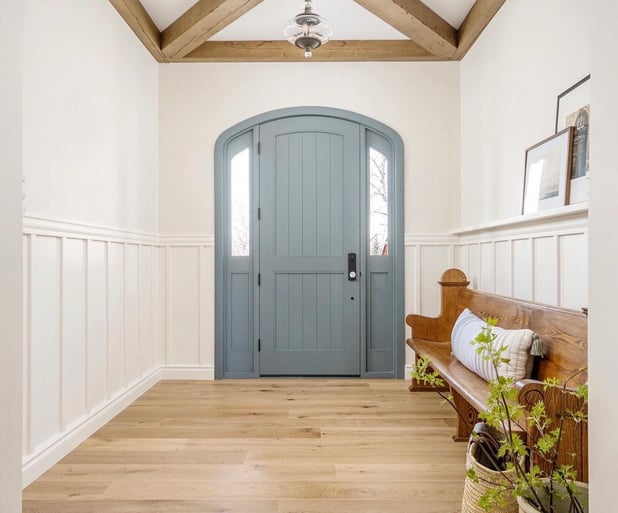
(352, 274)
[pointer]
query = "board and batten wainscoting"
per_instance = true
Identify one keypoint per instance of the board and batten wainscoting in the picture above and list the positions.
(538, 257)
(92, 336)
(108, 313)
(189, 276)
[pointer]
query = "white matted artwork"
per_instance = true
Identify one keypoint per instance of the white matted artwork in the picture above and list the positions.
(548, 168)
(573, 109)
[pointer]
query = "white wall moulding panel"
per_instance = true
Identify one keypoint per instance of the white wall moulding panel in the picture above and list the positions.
(547, 263)
(48, 225)
(91, 334)
(570, 214)
(189, 285)
(207, 240)
(427, 256)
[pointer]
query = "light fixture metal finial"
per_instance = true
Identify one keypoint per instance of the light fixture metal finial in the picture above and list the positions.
(308, 30)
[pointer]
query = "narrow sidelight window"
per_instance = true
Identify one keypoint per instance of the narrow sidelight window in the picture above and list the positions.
(378, 203)
(240, 203)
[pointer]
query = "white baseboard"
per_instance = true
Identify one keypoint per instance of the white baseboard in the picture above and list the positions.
(206, 372)
(407, 370)
(37, 464)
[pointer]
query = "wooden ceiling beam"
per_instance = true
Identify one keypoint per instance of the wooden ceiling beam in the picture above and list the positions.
(417, 21)
(481, 13)
(334, 51)
(200, 22)
(140, 22)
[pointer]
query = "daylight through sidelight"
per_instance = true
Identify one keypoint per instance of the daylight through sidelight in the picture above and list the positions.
(378, 203)
(240, 203)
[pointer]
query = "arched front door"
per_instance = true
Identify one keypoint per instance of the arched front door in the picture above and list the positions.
(309, 247)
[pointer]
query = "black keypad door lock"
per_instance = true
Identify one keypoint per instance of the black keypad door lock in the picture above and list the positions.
(352, 273)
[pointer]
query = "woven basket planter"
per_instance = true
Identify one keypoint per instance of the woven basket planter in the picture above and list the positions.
(473, 491)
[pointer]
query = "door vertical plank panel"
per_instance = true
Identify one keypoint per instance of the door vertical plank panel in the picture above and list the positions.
(239, 288)
(240, 325)
(324, 207)
(309, 195)
(323, 311)
(336, 195)
(309, 312)
(337, 311)
(380, 329)
(282, 197)
(282, 312)
(296, 312)
(295, 194)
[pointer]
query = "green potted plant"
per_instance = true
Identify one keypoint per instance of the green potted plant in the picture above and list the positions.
(531, 473)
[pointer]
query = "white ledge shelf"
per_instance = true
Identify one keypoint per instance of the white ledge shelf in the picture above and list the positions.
(555, 214)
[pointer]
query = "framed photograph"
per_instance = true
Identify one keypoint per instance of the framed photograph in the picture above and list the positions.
(548, 169)
(573, 109)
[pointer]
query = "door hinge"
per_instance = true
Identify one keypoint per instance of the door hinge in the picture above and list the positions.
(259, 148)
(259, 344)
(259, 279)
(259, 214)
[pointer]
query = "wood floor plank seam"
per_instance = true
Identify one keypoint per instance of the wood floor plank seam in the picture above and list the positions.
(264, 446)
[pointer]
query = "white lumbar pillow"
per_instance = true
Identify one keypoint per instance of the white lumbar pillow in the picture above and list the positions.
(517, 342)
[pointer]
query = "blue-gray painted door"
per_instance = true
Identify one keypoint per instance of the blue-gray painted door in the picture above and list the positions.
(311, 211)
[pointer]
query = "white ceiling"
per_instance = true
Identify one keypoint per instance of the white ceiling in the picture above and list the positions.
(349, 21)
(266, 21)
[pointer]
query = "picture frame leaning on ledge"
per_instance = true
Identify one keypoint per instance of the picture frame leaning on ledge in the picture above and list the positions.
(573, 109)
(547, 172)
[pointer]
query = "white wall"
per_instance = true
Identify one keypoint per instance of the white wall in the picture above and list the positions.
(603, 351)
(510, 79)
(91, 258)
(198, 102)
(90, 117)
(529, 53)
(418, 100)
(11, 26)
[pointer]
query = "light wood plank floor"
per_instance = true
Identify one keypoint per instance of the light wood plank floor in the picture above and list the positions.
(264, 446)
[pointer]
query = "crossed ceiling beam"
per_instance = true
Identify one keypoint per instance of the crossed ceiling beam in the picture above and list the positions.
(186, 40)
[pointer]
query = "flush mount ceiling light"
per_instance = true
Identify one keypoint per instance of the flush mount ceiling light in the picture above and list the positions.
(308, 30)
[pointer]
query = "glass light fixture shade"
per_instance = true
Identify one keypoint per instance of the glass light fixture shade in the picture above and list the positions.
(308, 30)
